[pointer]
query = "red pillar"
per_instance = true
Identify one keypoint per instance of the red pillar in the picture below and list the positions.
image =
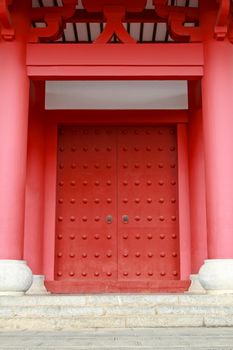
(197, 179)
(216, 275)
(14, 95)
(217, 87)
(184, 210)
(34, 216)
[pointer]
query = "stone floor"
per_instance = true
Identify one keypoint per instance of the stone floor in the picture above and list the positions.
(98, 339)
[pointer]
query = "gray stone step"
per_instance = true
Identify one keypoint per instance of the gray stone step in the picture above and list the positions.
(87, 311)
(120, 299)
(115, 311)
(96, 339)
(74, 323)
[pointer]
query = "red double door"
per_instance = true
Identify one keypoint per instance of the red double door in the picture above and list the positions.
(117, 210)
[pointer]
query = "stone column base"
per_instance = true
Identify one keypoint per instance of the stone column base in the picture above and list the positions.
(15, 277)
(195, 287)
(38, 286)
(216, 276)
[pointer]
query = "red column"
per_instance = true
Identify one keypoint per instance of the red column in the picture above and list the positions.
(34, 216)
(217, 90)
(184, 210)
(14, 98)
(197, 179)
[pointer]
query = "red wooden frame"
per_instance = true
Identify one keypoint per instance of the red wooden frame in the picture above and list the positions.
(133, 117)
(122, 62)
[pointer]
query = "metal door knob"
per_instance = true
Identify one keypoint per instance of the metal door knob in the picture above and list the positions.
(125, 219)
(109, 219)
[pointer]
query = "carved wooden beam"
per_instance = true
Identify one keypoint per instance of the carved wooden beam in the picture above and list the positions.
(176, 17)
(54, 18)
(7, 31)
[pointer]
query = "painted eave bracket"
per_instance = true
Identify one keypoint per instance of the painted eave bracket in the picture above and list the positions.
(222, 21)
(7, 31)
(114, 11)
(176, 17)
(114, 16)
(54, 18)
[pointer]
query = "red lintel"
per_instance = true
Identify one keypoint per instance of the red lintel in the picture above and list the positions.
(119, 61)
(114, 73)
(118, 117)
(115, 55)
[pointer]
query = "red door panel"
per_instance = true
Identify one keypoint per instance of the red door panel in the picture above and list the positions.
(117, 212)
(147, 198)
(86, 243)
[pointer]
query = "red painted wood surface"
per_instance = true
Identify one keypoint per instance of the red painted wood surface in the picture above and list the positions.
(84, 286)
(129, 5)
(123, 62)
(197, 186)
(148, 245)
(129, 117)
(14, 92)
(184, 208)
(86, 246)
(35, 192)
(117, 213)
(147, 61)
(218, 141)
(115, 72)
(115, 55)
(118, 118)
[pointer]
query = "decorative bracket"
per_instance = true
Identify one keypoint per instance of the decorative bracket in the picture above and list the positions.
(114, 16)
(7, 31)
(222, 22)
(114, 12)
(176, 17)
(181, 33)
(54, 18)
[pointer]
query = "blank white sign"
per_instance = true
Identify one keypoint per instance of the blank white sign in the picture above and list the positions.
(116, 94)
